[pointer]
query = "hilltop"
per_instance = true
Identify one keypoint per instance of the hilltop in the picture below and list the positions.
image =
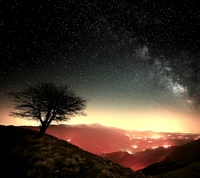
(24, 154)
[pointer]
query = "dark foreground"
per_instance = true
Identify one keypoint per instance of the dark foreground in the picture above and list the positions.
(24, 154)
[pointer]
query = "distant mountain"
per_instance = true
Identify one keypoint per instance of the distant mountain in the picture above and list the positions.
(24, 154)
(183, 161)
(94, 138)
(187, 152)
(95, 125)
(139, 160)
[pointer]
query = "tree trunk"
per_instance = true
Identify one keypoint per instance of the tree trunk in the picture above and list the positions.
(43, 129)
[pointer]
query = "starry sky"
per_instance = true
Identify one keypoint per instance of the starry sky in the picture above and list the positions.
(137, 63)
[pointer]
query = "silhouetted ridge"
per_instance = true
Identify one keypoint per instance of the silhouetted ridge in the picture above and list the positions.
(183, 161)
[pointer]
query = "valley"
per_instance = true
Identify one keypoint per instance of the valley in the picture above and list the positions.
(134, 149)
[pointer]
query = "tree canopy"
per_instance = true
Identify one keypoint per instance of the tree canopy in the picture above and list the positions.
(46, 102)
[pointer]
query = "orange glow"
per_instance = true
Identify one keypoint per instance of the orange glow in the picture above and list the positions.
(5, 119)
(129, 152)
(155, 137)
(135, 146)
(155, 120)
(166, 146)
(144, 119)
(154, 147)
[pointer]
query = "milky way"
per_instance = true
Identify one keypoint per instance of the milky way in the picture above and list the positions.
(116, 54)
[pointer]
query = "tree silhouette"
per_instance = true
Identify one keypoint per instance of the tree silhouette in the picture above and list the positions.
(46, 102)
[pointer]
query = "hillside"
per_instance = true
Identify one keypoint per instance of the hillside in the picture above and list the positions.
(23, 154)
(138, 160)
(183, 161)
(187, 152)
(190, 171)
(94, 138)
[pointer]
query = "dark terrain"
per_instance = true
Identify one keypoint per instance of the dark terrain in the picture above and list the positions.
(175, 161)
(24, 154)
(139, 160)
(183, 161)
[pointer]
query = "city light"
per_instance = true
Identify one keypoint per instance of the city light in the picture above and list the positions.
(135, 146)
(166, 146)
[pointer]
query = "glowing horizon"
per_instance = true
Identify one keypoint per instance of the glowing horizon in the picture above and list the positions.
(136, 67)
(154, 120)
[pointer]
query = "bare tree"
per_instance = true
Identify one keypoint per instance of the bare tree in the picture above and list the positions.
(46, 102)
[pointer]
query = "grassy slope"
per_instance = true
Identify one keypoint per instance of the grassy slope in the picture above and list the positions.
(23, 154)
(190, 171)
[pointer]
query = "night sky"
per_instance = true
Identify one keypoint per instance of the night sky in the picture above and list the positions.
(137, 64)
